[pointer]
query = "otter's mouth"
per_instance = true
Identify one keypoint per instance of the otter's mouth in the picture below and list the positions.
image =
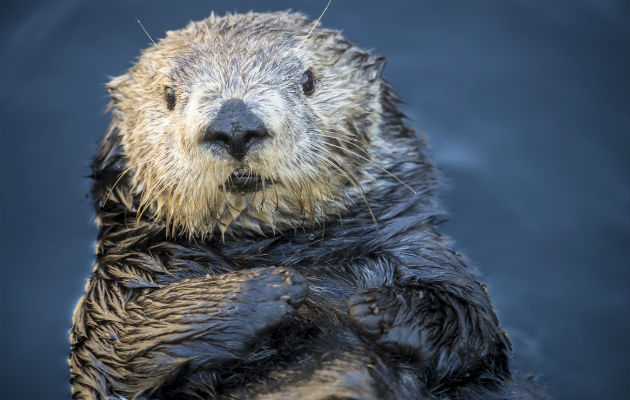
(245, 182)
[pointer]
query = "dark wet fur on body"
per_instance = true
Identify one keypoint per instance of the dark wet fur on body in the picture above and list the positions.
(345, 309)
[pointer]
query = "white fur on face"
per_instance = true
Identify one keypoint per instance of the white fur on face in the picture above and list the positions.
(317, 143)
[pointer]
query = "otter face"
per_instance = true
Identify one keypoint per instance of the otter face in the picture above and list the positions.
(249, 121)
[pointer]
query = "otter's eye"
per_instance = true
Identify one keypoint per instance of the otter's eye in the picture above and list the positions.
(307, 82)
(169, 97)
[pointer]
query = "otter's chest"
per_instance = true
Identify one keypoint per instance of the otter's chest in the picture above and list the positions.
(333, 272)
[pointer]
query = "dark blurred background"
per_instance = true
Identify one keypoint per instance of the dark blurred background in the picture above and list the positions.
(526, 104)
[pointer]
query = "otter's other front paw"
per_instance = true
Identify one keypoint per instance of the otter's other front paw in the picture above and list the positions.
(373, 311)
(386, 317)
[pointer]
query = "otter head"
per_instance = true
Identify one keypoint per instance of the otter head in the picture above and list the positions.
(250, 122)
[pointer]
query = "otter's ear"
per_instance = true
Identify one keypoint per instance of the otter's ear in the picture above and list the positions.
(118, 86)
(374, 67)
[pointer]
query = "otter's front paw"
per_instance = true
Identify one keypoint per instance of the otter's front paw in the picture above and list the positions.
(386, 317)
(373, 311)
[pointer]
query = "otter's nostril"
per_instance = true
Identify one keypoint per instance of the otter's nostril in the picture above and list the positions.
(222, 137)
(254, 135)
(211, 136)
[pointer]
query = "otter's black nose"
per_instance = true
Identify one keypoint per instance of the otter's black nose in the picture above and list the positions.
(236, 128)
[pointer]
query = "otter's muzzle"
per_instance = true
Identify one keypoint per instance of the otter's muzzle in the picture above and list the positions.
(235, 128)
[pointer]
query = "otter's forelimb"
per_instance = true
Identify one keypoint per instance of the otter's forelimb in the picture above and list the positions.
(437, 313)
(202, 323)
(445, 335)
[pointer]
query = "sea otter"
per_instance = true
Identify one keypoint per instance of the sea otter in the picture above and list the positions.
(267, 230)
